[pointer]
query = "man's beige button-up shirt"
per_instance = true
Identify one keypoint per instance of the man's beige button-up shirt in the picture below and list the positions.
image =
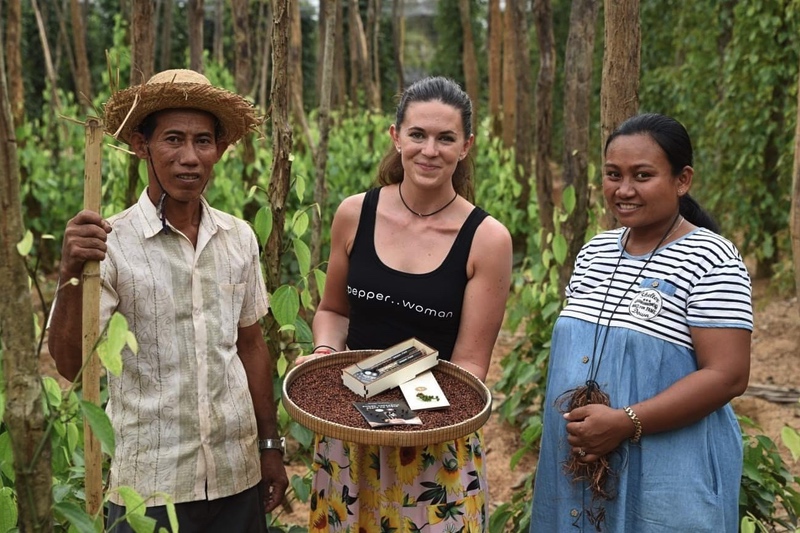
(181, 409)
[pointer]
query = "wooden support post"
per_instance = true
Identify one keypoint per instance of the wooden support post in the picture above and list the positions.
(91, 319)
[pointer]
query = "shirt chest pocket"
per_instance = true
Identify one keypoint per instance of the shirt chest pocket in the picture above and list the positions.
(661, 285)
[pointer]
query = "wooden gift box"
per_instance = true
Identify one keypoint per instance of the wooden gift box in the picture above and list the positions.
(395, 365)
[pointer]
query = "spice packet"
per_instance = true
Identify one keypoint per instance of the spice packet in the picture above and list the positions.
(380, 414)
(423, 392)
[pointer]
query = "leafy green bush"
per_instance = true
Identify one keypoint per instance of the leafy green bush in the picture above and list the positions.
(770, 494)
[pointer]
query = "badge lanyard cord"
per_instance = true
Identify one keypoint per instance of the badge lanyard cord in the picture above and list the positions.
(591, 383)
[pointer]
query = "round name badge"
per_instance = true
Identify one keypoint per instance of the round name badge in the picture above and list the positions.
(646, 305)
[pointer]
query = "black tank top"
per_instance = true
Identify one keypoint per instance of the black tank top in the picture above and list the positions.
(388, 306)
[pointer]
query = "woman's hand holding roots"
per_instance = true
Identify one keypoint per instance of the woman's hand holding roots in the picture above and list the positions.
(593, 432)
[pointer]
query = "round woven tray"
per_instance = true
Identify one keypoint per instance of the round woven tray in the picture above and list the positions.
(380, 436)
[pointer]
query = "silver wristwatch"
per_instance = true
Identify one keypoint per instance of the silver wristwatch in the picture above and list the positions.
(272, 444)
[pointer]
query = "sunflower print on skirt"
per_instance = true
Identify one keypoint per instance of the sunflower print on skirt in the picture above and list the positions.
(439, 488)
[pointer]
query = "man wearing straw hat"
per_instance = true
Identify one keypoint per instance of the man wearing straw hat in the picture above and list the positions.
(193, 410)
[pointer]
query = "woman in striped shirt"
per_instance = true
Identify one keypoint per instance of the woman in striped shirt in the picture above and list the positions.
(651, 347)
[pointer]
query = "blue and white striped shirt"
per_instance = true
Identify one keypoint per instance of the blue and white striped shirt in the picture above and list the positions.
(699, 280)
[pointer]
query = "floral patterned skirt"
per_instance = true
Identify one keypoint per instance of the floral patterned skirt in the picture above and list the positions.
(435, 488)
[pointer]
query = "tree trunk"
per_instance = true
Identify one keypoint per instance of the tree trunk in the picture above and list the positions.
(142, 42)
(16, 91)
(373, 42)
(321, 153)
(244, 84)
(64, 39)
(83, 81)
(50, 70)
(619, 93)
(24, 414)
(771, 154)
(339, 94)
(577, 121)
(196, 20)
(142, 65)
(266, 55)
(64, 42)
(545, 81)
(242, 49)
(295, 49)
(352, 17)
(398, 42)
(359, 60)
(322, 21)
(296, 72)
(219, 28)
(795, 209)
(281, 153)
(470, 59)
(166, 35)
(495, 66)
(509, 76)
(523, 118)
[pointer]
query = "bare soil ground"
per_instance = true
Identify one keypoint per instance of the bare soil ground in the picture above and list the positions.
(775, 365)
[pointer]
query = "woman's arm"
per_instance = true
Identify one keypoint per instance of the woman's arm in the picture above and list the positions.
(723, 358)
(332, 316)
(489, 272)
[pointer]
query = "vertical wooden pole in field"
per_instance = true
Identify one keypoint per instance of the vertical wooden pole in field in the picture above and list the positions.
(91, 319)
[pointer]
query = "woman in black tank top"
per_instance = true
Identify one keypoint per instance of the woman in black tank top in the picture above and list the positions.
(413, 258)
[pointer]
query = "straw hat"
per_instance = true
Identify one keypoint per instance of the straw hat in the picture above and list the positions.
(179, 89)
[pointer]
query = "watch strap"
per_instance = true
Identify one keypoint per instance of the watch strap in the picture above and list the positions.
(272, 444)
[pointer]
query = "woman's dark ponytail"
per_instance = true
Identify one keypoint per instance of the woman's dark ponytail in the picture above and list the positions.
(694, 213)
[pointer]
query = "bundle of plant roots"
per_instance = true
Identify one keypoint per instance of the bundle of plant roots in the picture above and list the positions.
(596, 473)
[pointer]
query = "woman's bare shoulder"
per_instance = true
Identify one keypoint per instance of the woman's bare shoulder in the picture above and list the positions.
(493, 236)
(351, 206)
(345, 221)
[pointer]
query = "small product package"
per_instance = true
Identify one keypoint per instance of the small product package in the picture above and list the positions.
(389, 368)
(423, 392)
(380, 414)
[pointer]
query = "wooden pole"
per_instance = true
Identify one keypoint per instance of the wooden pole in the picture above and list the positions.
(91, 320)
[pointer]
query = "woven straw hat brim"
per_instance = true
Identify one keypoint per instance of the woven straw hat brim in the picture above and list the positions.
(236, 115)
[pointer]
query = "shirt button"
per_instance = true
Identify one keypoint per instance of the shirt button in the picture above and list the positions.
(585, 359)
(573, 513)
(654, 284)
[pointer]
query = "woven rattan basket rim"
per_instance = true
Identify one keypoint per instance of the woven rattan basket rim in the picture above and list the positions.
(384, 437)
